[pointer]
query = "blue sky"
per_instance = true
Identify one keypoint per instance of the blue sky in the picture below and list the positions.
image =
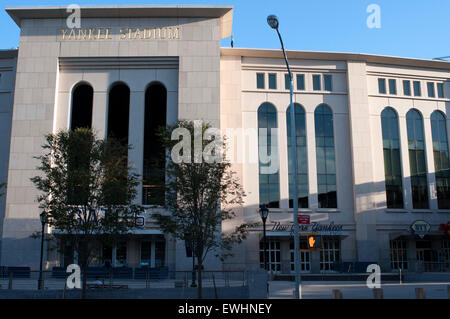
(409, 28)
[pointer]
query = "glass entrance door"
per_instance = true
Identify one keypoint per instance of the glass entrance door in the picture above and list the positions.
(153, 254)
(424, 255)
(305, 256)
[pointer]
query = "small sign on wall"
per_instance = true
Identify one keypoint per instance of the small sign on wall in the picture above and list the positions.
(304, 219)
(420, 228)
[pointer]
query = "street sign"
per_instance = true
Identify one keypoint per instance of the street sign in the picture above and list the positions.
(304, 219)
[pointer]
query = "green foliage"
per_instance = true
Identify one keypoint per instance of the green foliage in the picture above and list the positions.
(200, 196)
(87, 189)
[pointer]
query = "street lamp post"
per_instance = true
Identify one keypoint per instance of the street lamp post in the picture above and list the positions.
(272, 20)
(43, 217)
(264, 212)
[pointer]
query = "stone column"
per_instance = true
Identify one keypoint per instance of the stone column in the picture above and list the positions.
(362, 162)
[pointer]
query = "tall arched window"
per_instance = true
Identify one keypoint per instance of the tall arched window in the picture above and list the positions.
(326, 163)
(302, 163)
(118, 112)
(392, 163)
(82, 97)
(416, 148)
(269, 184)
(154, 152)
(441, 159)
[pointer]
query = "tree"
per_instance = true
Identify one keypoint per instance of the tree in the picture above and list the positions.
(87, 191)
(200, 193)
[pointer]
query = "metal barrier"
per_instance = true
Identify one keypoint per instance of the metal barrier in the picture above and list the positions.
(25, 279)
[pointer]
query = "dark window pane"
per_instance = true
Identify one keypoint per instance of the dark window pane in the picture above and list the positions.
(440, 88)
(269, 189)
(154, 175)
(392, 86)
(392, 166)
(441, 159)
(382, 86)
(406, 87)
(328, 82)
(430, 87)
(287, 81)
(300, 81)
(300, 132)
(272, 81)
(260, 80)
(325, 157)
(417, 90)
(316, 83)
(417, 159)
(82, 99)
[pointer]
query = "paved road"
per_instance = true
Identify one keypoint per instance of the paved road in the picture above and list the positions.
(357, 290)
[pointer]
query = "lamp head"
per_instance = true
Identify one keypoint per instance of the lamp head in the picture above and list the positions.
(43, 217)
(264, 212)
(272, 20)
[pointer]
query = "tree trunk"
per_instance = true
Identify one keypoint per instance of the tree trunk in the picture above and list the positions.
(200, 284)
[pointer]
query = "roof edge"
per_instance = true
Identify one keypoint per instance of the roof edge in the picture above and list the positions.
(337, 56)
(224, 13)
(6, 54)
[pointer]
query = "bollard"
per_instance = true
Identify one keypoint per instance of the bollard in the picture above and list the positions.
(448, 292)
(337, 294)
(64, 291)
(377, 293)
(10, 282)
(420, 293)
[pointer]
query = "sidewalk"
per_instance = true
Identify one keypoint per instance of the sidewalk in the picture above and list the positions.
(357, 290)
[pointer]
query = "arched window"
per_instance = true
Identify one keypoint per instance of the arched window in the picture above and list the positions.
(302, 162)
(441, 159)
(269, 184)
(118, 112)
(392, 163)
(154, 152)
(82, 97)
(416, 148)
(326, 163)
